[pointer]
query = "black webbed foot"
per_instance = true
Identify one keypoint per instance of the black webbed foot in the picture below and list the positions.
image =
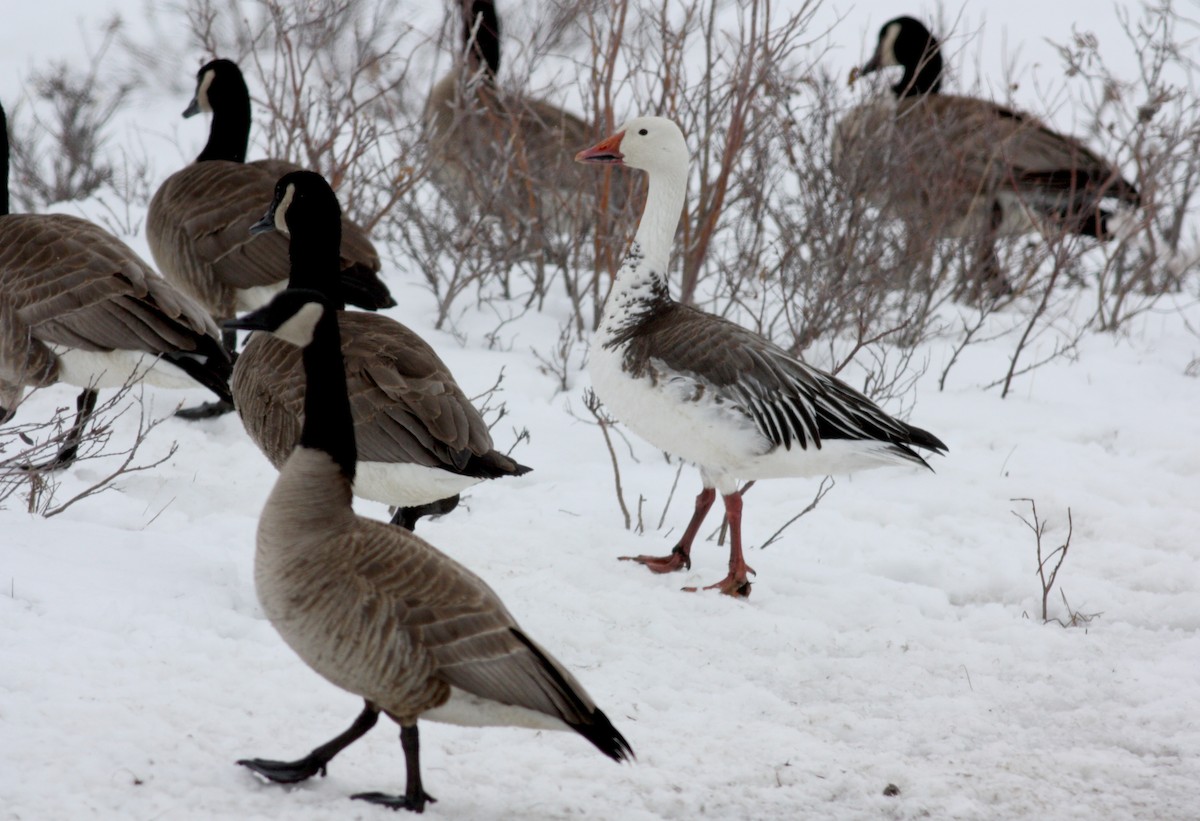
(286, 772)
(412, 803)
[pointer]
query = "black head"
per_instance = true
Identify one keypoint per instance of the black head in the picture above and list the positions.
(303, 202)
(219, 85)
(292, 316)
(481, 32)
(906, 42)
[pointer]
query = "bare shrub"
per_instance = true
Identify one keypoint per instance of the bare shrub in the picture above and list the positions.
(28, 444)
(1151, 120)
(60, 155)
(1049, 575)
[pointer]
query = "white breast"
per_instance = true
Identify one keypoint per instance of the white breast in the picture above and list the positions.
(251, 299)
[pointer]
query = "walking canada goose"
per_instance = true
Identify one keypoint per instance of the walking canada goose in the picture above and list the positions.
(711, 392)
(378, 611)
(957, 166)
(509, 152)
(421, 441)
(78, 306)
(199, 219)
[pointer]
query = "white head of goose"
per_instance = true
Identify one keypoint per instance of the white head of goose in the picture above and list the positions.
(709, 391)
(961, 166)
(199, 219)
(78, 306)
(378, 611)
(421, 441)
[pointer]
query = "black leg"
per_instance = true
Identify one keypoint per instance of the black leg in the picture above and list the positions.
(211, 410)
(406, 517)
(415, 798)
(85, 403)
(291, 772)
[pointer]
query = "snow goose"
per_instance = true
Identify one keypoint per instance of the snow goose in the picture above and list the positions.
(378, 611)
(78, 306)
(475, 129)
(199, 219)
(709, 391)
(420, 440)
(958, 166)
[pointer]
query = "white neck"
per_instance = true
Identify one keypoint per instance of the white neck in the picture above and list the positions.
(643, 274)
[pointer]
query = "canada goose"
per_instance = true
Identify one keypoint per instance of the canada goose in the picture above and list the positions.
(513, 150)
(376, 610)
(712, 392)
(78, 306)
(420, 439)
(199, 219)
(957, 166)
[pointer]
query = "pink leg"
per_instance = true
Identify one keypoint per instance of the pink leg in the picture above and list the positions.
(680, 555)
(736, 583)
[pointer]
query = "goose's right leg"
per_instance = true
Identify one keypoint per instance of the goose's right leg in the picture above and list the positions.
(291, 772)
(681, 555)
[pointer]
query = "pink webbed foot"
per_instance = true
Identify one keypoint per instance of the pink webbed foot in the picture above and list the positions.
(735, 584)
(677, 559)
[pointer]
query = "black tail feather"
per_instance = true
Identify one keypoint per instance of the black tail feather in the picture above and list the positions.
(210, 366)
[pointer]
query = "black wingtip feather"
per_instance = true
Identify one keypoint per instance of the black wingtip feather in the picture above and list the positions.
(595, 727)
(924, 439)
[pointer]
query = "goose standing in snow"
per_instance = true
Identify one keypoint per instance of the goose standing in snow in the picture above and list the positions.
(420, 440)
(378, 611)
(78, 306)
(509, 148)
(711, 392)
(957, 166)
(199, 219)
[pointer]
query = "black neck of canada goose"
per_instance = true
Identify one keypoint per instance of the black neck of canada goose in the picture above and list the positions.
(221, 87)
(328, 424)
(3, 162)
(309, 209)
(304, 318)
(481, 35)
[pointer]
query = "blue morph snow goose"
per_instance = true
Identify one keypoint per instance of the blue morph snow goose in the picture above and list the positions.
(712, 392)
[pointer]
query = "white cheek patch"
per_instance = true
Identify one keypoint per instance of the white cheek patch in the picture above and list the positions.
(202, 91)
(887, 46)
(298, 330)
(281, 211)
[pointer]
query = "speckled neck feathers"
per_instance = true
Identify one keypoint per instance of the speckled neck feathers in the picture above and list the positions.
(641, 287)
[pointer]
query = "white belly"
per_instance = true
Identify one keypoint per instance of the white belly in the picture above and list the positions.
(407, 485)
(469, 710)
(112, 369)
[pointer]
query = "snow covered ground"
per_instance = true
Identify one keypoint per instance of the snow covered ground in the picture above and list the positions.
(892, 636)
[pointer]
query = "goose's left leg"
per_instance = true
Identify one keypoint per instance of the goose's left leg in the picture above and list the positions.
(85, 403)
(736, 582)
(415, 798)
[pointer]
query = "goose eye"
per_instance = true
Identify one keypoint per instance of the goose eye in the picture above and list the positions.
(643, 132)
